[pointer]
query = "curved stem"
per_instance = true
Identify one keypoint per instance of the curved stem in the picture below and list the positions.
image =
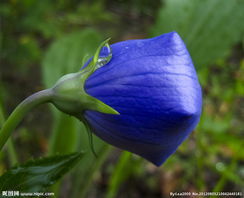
(18, 114)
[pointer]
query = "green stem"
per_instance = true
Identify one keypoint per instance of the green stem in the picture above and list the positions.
(81, 193)
(99, 162)
(13, 157)
(20, 111)
(120, 174)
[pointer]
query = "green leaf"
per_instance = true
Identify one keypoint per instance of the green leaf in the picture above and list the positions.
(37, 175)
(210, 27)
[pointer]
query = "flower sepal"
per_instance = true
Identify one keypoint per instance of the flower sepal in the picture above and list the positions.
(69, 95)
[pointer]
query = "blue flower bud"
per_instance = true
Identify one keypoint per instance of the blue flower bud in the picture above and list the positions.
(152, 83)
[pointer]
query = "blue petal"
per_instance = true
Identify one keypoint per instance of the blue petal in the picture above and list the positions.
(154, 86)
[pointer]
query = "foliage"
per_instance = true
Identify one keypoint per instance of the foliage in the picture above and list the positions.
(209, 28)
(38, 175)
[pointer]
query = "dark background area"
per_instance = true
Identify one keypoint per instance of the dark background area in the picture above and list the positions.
(43, 40)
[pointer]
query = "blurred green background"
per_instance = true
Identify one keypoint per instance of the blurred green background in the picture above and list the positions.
(42, 39)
